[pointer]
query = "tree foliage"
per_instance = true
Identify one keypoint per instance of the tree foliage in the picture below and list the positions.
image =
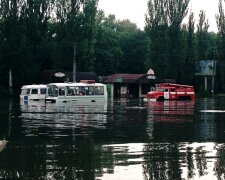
(174, 44)
(220, 19)
(202, 32)
(114, 41)
(38, 35)
(163, 26)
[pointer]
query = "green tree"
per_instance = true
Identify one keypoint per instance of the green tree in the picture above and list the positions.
(107, 50)
(202, 36)
(88, 32)
(10, 31)
(163, 26)
(189, 53)
(157, 30)
(75, 24)
(34, 21)
(130, 37)
(66, 32)
(177, 11)
(120, 46)
(220, 19)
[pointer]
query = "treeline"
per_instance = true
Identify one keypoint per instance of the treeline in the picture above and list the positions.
(38, 35)
(175, 46)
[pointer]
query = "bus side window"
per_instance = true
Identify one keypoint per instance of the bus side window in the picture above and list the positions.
(99, 90)
(62, 92)
(43, 91)
(71, 91)
(34, 91)
(89, 90)
(80, 91)
(25, 92)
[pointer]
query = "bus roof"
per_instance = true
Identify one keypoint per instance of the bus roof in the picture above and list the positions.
(34, 86)
(76, 84)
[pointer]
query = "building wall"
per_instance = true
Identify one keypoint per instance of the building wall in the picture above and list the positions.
(118, 90)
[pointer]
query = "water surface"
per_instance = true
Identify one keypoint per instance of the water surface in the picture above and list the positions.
(120, 139)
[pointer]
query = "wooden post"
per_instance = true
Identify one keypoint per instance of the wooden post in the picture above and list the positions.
(206, 80)
(112, 91)
(140, 94)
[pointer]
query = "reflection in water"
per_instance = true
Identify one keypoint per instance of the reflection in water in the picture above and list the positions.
(127, 161)
(183, 161)
(171, 111)
(58, 138)
(121, 139)
(56, 119)
(164, 161)
(166, 116)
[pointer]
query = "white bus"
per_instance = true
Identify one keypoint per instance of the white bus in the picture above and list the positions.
(83, 91)
(33, 92)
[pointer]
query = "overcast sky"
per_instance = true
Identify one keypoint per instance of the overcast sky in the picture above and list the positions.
(136, 9)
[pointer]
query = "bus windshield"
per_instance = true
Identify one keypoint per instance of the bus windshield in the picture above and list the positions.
(52, 91)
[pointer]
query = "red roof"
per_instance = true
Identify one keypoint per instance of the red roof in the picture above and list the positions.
(127, 78)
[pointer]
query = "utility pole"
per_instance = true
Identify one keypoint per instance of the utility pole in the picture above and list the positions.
(10, 82)
(74, 61)
(214, 71)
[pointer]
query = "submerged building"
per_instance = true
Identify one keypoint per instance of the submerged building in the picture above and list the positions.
(129, 85)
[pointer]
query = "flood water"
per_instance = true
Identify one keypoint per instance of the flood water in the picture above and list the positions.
(125, 139)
